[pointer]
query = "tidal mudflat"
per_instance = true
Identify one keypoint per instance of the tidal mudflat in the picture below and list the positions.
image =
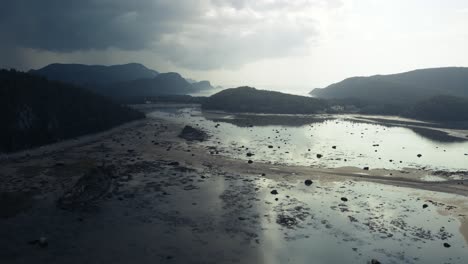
(142, 194)
(326, 141)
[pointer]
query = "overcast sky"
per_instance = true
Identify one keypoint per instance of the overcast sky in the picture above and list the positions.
(279, 44)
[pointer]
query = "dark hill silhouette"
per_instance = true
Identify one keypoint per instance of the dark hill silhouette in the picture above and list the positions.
(163, 84)
(402, 88)
(124, 82)
(36, 111)
(248, 99)
(440, 109)
(92, 75)
(202, 85)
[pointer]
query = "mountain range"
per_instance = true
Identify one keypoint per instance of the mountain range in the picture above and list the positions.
(402, 88)
(122, 81)
(91, 75)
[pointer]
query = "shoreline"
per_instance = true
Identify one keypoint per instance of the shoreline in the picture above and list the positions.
(68, 143)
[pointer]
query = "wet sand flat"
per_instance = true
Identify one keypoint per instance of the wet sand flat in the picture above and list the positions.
(162, 199)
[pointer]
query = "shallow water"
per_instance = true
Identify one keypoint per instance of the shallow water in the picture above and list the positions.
(339, 141)
(376, 222)
(381, 222)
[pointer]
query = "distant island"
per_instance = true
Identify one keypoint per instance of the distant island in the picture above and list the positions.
(36, 111)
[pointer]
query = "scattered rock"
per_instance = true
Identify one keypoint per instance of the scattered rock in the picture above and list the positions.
(419, 155)
(274, 192)
(286, 221)
(270, 146)
(447, 245)
(374, 261)
(190, 187)
(308, 182)
(249, 154)
(192, 134)
(250, 161)
(333, 147)
(344, 199)
(366, 168)
(425, 206)
(43, 242)
(319, 156)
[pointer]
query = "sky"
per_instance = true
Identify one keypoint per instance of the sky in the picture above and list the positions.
(287, 45)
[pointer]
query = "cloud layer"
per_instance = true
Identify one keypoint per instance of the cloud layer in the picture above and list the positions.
(200, 35)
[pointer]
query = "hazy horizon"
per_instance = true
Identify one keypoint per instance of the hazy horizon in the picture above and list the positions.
(282, 45)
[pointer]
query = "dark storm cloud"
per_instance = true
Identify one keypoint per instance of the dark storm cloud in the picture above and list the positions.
(59, 25)
(203, 34)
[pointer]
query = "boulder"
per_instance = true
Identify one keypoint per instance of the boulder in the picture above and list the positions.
(192, 134)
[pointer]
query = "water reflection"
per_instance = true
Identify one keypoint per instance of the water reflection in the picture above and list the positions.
(341, 142)
(246, 120)
(382, 222)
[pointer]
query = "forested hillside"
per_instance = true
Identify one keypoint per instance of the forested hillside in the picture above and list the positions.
(35, 111)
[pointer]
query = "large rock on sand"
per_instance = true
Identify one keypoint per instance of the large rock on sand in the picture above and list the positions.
(192, 134)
